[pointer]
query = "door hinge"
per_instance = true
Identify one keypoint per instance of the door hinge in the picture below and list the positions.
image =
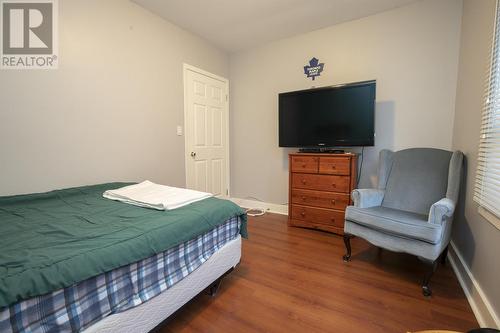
(227, 97)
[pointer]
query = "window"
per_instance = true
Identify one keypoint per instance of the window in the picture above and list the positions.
(487, 189)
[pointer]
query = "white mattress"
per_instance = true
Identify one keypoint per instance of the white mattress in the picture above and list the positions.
(147, 316)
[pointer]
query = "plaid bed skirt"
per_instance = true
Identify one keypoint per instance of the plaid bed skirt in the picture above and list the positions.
(77, 307)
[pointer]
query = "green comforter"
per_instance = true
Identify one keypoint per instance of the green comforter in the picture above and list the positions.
(53, 240)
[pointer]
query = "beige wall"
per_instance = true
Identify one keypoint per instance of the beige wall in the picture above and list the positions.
(411, 51)
(110, 111)
(476, 239)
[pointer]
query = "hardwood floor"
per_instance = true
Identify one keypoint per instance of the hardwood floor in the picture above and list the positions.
(294, 280)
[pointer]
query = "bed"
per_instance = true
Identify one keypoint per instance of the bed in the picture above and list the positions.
(73, 261)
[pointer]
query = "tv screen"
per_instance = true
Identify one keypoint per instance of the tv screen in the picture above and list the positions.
(338, 116)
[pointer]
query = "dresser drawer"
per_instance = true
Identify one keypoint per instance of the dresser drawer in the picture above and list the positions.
(320, 199)
(318, 226)
(321, 182)
(335, 165)
(308, 164)
(318, 215)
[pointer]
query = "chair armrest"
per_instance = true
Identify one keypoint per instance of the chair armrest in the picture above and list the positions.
(365, 198)
(441, 210)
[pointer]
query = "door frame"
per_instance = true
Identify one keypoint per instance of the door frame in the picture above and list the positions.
(185, 69)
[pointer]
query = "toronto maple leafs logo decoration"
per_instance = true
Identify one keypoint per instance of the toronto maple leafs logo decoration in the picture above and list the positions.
(314, 68)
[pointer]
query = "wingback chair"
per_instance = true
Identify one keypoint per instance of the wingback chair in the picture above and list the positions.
(411, 210)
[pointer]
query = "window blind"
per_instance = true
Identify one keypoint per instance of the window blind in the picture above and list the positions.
(487, 189)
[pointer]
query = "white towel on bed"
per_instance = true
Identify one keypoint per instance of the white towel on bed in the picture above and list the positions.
(151, 195)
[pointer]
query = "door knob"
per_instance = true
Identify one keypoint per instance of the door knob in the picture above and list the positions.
(193, 154)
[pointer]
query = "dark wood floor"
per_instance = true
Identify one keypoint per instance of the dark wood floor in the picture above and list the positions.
(294, 280)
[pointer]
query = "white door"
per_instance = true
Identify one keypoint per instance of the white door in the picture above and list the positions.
(206, 128)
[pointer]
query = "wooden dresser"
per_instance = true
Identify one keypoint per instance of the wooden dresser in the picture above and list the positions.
(319, 190)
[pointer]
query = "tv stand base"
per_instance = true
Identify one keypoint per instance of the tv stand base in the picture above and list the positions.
(321, 150)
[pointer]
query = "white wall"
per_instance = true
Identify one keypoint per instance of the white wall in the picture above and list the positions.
(110, 111)
(411, 51)
(476, 240)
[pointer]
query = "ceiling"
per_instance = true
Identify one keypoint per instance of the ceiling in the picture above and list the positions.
(234, 25)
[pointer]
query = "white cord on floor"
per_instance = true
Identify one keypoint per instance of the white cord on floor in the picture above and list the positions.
(255, 211)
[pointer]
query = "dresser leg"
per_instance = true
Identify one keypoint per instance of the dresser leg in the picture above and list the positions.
(347, 242)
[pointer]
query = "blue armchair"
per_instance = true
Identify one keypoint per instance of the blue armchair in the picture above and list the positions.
(412, 208)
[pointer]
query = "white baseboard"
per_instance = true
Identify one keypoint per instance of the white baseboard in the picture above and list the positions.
(268, 207)
(482, 308)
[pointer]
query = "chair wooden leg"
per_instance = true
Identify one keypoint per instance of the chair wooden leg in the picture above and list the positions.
(347, 242)
(444, 255)
(426, 290)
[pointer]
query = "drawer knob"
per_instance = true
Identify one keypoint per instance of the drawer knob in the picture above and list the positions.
(303, 198)
(333, 202)
(303, 214)
(333, 220)
(304, 165)
(303, 181)
(333, 167)
(334, 185)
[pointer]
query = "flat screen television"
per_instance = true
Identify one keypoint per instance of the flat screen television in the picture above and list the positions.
(329, 117)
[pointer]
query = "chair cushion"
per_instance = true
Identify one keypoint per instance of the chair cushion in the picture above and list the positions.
(396, 222)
